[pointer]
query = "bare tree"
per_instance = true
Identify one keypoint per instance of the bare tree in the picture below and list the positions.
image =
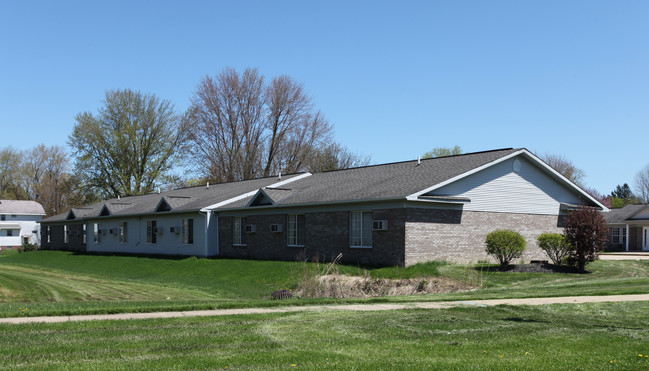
(241, 128)
(335, 157)
(45, 172)
(642, 184)
(565, 167)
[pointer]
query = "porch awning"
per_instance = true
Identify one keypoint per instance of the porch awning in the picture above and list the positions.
(6, 226)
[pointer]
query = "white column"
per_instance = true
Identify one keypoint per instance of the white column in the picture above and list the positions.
(627, 237)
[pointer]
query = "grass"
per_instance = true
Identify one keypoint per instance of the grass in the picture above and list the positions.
(63, 283)
(579, 337)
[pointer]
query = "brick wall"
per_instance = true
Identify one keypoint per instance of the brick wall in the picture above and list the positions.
(75, 238)
(326, 236)
(458, 236)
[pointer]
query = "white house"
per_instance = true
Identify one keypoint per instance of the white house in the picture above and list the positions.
(19, 223)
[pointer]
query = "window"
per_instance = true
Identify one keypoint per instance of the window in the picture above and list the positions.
(66, 239)
(10, 232)
(151, 231)
(83, 237)
(295, 230)
(97, 232)
(47, 234)
(618, 235)
(360, 229)
(3, 217)
(123, 232)
(238, 237)
(188, 231)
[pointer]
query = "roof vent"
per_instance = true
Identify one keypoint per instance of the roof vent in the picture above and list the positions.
(208, 185)
(158, 190)
(280, 175)
(118, 197)
(418, 160)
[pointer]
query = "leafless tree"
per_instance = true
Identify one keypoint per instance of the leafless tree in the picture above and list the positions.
(242, 128)
(10, 160)
(45, 172)
(565, 167)
(642, 184)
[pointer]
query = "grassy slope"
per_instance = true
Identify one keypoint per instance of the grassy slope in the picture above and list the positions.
(55, 282)
(589, 336)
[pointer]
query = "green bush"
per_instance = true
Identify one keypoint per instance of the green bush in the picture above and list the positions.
(505, 245)
(27, 247)
(556, 246)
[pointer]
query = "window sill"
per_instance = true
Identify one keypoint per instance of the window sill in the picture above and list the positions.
(360, 247)
(295, 245)
(239, 245)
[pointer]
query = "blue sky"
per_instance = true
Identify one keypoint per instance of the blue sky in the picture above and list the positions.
(396, 78)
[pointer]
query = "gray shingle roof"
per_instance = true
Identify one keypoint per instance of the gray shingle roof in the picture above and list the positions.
(20, 207)
(180, 200)
(623, 214)
(387, 181)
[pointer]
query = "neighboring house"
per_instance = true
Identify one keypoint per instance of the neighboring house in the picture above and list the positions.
(628, 228)
(19, 223)
(391, 214)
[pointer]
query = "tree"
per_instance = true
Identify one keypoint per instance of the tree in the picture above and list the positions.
(565, 167)
(335, 157)
(604, 200)
(622, 196)
(443, 152)
(586, 231)
(10, 160)
(242, 128)
(642, 184)
(129, 147)
(45, 172)
(505, 245)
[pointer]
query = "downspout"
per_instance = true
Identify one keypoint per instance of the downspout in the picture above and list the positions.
(207, 233)
(627, 238)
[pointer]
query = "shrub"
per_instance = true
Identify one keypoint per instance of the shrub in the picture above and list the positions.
(505, 245)
(26, 247)
(586, 230)
(555, 246)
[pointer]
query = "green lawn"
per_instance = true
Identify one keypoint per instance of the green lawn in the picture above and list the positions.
(567, 337)
(63, 283)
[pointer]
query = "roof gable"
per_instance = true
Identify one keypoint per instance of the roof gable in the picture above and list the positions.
(163, 206)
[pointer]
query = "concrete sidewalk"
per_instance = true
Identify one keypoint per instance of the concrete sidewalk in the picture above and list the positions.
(631, 255)
(352, 307)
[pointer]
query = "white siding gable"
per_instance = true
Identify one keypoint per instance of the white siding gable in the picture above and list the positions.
(644, 214)
(499, 188)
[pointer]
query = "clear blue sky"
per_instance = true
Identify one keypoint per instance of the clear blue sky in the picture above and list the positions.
(396, 78)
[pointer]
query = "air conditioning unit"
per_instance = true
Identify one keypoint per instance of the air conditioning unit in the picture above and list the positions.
(250, 228)
(379, 225)
(159, 230)
(276, 228)
(69, 232)
(77, 232)
(174, 229)
(111, 231)
(103, 231)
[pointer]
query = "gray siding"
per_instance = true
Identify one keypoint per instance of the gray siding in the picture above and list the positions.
(528, 191)
(167, 243)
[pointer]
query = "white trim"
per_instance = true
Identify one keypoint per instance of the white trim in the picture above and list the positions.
(645, 238)
(627, 237)
(261, 190)
(414, 196)
(252, 193)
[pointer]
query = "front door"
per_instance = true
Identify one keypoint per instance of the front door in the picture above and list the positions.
(645, 238)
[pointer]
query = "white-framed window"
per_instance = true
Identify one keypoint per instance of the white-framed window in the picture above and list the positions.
(10, 232)
(48, 235)
(618, 235)
(123, 232)
(295, 230)
(151, 231)
(97, 232)
(238, 235)
(360, 229)
(3, 217)
(83, 236)
(66, 238)
(188, 231)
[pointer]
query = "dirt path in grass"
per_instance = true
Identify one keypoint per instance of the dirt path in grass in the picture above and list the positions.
(352, 307)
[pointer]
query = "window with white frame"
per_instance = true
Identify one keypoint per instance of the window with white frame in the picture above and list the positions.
(360, 229)
(66, 238)
(47, 234)
(151, 231)
(295, 230)
(97, 232)
(618, 235)
(238, 235)
(123, 232)
(188, 231)
(83, 237)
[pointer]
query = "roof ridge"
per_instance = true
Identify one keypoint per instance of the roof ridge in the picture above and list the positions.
(422, 159)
